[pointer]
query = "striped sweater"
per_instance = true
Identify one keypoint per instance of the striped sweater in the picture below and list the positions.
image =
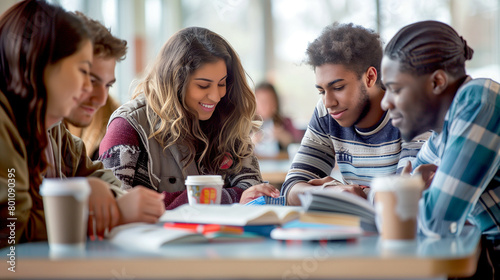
(361, 154)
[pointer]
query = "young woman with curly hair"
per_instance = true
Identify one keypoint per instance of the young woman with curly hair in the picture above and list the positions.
(192, 114)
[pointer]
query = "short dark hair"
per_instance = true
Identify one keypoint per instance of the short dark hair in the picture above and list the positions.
(105, 44)
(355, 47)
(424, 47)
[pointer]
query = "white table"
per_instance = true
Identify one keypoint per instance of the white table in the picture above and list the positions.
(363, 258)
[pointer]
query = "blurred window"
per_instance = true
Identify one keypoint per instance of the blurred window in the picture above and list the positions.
(271, 36)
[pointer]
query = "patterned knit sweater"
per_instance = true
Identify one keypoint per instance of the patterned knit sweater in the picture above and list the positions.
(123, 152)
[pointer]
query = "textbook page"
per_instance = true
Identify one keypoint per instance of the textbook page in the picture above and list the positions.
(151, 236)
(235, 214)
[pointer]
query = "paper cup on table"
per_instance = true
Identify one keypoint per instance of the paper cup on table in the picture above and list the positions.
(204, 189)
(65, 203)
(396, 204)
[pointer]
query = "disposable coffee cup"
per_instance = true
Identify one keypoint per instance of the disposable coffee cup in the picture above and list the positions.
(204, 189)
(396, 204)
(65, 203)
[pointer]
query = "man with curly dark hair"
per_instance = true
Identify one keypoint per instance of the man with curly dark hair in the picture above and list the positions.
(348, 129)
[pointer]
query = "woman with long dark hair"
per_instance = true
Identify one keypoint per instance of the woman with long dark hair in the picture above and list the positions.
(45, 59)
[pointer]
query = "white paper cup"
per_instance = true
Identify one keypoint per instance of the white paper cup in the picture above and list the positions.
(65, 203)
(204, 189)
(396, 204)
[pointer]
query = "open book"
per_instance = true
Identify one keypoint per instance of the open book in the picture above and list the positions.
(153, 236)
(340, 202)
(235, 214)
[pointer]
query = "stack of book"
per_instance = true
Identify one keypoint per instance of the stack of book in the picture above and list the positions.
(323, 216)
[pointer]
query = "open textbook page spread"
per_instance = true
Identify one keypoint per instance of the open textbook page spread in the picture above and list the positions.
(235, 214)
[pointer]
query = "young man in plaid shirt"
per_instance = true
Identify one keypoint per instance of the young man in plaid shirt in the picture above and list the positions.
(427, 88)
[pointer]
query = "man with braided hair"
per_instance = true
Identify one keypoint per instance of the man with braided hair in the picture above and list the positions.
(427, 88)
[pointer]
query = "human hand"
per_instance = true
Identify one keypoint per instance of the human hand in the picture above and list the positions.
(333, 184)
(140, 204)
(259, 190)
(407, 169)
(427, 171)
(103, 210)
(354, 189)
(326, 181)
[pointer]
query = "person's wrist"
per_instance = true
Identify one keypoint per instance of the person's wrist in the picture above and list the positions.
(291, 198)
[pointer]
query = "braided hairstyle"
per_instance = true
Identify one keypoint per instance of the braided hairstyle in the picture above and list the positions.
(426, 46)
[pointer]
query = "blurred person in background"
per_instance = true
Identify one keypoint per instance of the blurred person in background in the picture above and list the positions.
(277, 131)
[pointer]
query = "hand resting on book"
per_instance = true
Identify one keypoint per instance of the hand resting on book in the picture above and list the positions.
(331, 183)
(257, 191)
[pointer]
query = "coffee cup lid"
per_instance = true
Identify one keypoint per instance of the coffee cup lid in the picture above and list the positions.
(204, 180)
(77, 186)
(397, 182)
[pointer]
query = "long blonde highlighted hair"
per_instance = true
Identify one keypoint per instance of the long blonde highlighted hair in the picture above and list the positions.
(226, 133)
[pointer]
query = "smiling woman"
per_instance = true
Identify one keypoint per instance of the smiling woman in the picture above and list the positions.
(192, 114)
(206, 87)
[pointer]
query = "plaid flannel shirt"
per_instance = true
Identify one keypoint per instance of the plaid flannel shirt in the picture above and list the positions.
(466, 185)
